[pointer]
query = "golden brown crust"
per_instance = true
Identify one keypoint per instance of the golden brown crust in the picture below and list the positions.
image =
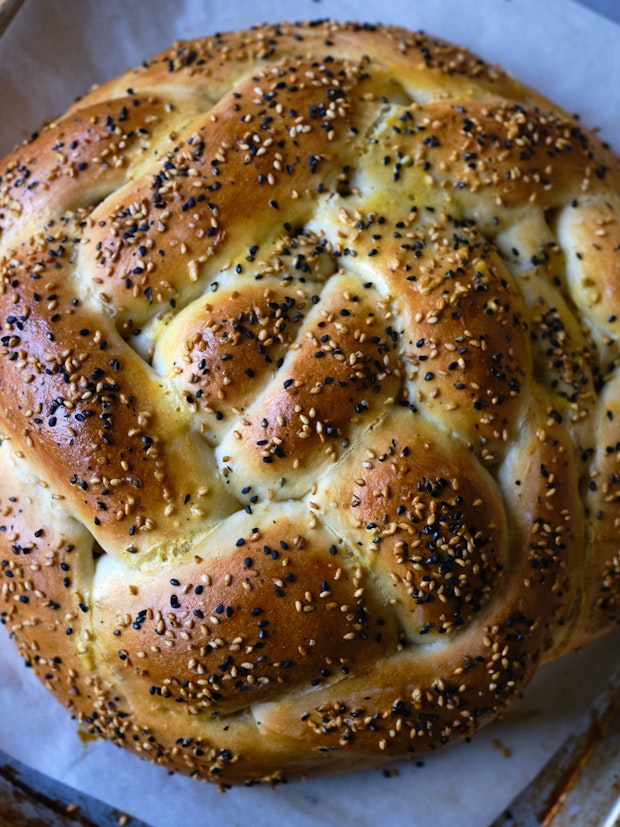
(309, 399)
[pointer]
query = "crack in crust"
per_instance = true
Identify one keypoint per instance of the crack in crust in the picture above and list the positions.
(309, 398)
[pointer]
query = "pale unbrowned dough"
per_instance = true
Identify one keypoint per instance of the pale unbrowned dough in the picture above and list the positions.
(309, 397)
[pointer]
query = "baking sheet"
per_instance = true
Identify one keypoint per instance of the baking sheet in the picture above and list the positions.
(52, 51)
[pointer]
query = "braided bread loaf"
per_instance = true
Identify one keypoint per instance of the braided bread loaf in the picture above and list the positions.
(309, 399)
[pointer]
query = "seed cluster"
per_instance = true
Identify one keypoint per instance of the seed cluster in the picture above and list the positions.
(309, 399)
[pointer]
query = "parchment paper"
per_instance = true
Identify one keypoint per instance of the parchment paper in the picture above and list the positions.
(51, 53)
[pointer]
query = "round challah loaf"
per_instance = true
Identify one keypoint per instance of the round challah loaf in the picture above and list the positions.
(310, 394)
